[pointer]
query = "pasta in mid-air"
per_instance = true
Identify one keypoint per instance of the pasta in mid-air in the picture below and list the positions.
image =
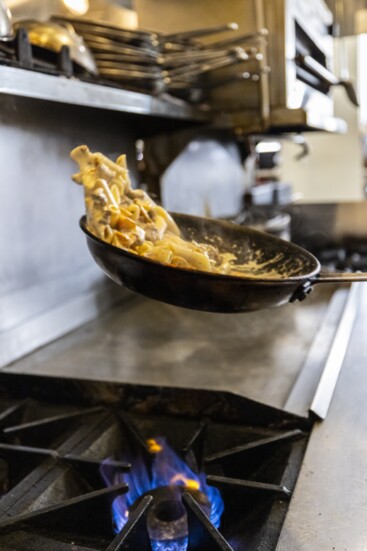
(129, 219)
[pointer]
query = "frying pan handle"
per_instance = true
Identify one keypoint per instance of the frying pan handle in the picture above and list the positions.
(302, 292)
(197, 33)
(335, 277)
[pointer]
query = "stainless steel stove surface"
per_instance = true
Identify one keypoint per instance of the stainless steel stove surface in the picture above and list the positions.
(258, 355)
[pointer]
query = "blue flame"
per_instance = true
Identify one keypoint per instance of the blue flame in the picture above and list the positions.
(167, 469)
(176, 545)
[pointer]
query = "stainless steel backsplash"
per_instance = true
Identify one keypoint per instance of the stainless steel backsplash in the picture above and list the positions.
(45, 264)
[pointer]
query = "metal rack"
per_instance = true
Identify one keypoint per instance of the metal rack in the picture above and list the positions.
(31, 84)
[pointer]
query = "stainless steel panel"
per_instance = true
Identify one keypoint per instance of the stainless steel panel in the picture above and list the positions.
(45, 263)
(56, 321)
(258, 355)
(19, 82)
(302, 395)
(325, 390)
(314, 388)
(328, 507)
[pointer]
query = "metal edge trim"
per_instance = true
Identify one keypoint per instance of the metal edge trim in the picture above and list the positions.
(302, 394)
(31, 84)
(325, 390)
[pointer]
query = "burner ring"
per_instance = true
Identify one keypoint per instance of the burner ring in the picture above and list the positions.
(167, 517)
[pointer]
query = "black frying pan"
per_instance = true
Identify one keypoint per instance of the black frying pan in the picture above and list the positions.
(293, 270)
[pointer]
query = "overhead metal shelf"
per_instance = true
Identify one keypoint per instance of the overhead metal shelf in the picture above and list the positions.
(32, 84)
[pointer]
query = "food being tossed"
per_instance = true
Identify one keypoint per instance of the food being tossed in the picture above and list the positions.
(203, 264)
(129, 219)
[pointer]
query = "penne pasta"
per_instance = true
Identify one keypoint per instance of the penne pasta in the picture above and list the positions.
(129, 219)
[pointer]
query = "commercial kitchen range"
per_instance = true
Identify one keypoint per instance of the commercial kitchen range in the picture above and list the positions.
(266, 407)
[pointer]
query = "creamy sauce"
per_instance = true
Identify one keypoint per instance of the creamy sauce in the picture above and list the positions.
(129, 219)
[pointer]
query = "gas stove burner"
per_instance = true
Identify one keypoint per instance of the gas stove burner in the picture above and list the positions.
(161, 473)
(65, 472)
(167, 518)
(165, 477)
(350, 256)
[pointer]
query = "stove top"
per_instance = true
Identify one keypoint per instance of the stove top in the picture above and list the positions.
(65, 470)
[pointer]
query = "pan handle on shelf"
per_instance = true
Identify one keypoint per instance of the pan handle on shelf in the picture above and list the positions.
(198, 33)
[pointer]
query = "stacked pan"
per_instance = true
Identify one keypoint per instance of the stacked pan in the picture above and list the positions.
(179, 64)
(130, 58)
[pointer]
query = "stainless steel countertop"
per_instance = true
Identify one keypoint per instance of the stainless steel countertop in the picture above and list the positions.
(258, 355)
(329, 507)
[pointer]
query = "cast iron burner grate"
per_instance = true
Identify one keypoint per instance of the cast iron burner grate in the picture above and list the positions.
(56, 433)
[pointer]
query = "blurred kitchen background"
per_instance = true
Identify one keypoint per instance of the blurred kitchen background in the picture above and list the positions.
(334, 169)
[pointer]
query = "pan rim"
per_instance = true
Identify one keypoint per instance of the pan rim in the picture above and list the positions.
(215, 276)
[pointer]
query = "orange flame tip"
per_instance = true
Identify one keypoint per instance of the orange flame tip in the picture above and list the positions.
(153, 446)
(188, 482)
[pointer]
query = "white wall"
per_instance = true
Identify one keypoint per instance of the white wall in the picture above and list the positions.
(334, 170)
